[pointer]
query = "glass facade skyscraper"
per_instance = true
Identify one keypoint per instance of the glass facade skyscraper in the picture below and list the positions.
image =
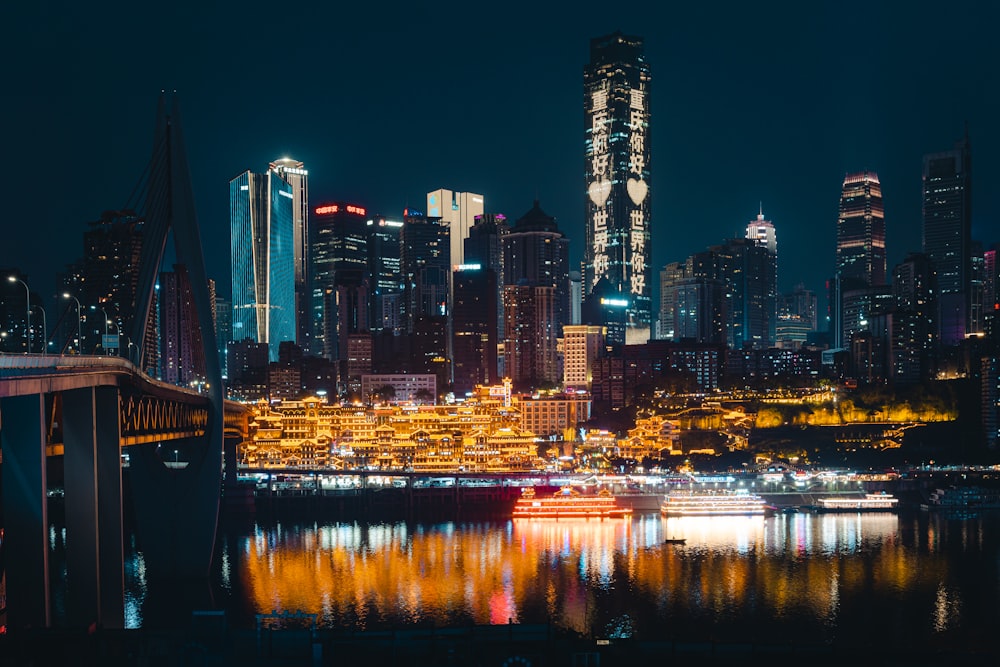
(297, 176)
(861, 232)
(263, 259)
(617, 171)
(947, 213)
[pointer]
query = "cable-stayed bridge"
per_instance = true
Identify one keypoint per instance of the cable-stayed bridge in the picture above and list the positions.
(89, 409)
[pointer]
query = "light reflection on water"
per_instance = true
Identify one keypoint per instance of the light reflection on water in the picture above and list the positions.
(815, 577)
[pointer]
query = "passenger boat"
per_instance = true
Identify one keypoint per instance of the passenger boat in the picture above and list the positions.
(964, 497)
(872, 502)
(675, 540)
(712, 503)
(567, 503)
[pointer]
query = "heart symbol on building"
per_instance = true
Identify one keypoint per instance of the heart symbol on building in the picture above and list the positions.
(637, 190)
(599, 192)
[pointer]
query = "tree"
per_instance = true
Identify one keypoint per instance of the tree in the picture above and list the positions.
(423, 396)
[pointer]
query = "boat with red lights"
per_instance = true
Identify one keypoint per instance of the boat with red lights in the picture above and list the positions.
(568, 503)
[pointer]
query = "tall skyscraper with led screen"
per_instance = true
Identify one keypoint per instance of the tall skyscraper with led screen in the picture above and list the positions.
(617, 167)
(263, 260)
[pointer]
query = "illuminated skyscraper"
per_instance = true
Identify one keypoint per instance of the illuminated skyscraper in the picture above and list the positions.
(947, 212)
(459, 210)
(263, 260)
(298, 177)
(340, 276)
(762, 231)
(617, 170)
(861, 232)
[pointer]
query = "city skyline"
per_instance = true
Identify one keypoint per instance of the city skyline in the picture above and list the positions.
(733, 126)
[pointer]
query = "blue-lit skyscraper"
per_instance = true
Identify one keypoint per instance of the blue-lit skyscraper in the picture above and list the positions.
(263, 259)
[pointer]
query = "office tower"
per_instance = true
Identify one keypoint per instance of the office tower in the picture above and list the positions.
(425, 267)
(860, 309)
(991, 297)
(485, 247)
(762, 232)
(182, 353)
(582, 346)
(530, 345)
(474, 325)
(699, 310)
(749, 309)
(947, 236)
(263, 259)
(861, 232)
(912, 321)
(670, 275)
(617, 168)
(459, 211)
(797, 317)
(384, 275)
(977, 290)
(990, 397)
(340, 276)
(535, 252)
(604, 307)
(297, 176)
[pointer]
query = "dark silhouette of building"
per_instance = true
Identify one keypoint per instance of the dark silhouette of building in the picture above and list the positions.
(947, 237)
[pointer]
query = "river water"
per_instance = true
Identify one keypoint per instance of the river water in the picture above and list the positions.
(889, 579)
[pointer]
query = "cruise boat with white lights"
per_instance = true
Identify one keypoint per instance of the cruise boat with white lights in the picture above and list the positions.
(713, 503)
(568, 503)
(871, 502)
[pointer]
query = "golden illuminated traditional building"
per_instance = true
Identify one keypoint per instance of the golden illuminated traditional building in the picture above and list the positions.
(651, 437)
(312, 433)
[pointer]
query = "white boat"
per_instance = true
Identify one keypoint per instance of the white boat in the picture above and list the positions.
(712, 503)
(872, 502)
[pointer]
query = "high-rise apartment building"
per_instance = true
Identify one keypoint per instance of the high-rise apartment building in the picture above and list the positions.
(861, 232)
(947, 236)
(261, 214)
(617, 169)
(582, 346)
(182, 353)
(535, 252)
(530, 344)
(297, 176)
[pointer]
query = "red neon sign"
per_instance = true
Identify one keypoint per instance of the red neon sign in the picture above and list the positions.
(329, 209)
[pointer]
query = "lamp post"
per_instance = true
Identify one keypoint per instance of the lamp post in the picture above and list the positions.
(45, 330)
(27, 294)
(79, 319)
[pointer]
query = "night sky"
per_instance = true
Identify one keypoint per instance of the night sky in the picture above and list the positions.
(383, 102)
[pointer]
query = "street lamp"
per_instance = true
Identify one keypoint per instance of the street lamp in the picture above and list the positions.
(45, 330)
(107, 322)
(27, 293)
(79, 319)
